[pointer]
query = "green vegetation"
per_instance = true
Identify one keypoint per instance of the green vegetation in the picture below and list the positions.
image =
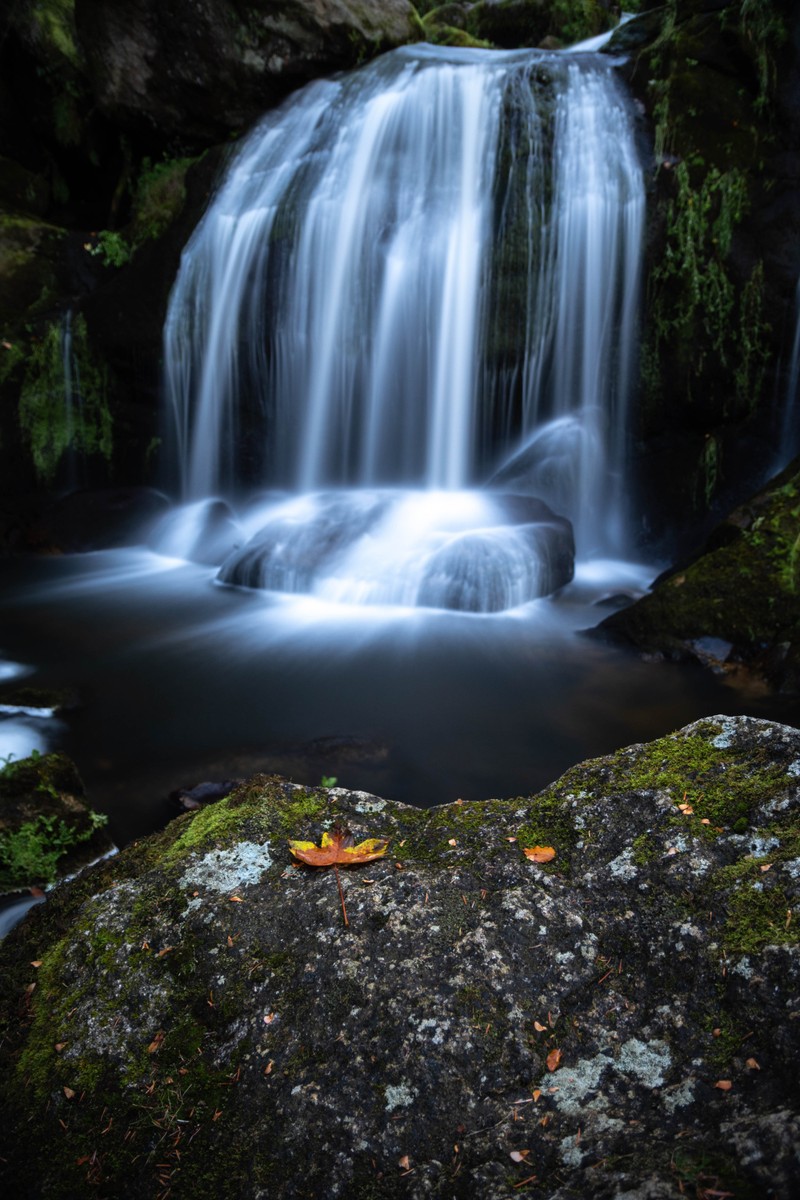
(54, 21)
(766, 31)
(30, 854)
(158, 198)
(55, 417)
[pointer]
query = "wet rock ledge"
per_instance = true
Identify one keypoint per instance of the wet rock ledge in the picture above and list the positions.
(192, 1018)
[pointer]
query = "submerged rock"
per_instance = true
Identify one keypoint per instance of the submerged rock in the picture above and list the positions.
(618, 1021)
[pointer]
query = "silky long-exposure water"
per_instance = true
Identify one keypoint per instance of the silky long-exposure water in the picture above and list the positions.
(400, 357)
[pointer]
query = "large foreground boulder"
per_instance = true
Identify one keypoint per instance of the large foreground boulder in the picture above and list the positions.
(194, 1019)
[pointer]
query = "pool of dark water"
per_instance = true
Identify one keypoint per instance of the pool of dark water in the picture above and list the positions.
(182, 680)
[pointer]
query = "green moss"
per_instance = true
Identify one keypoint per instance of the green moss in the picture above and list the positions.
(63, 403)
(264, 809)
(744, 591)
(720, 784)
(758, 915)
(644, 849)
(54, 21)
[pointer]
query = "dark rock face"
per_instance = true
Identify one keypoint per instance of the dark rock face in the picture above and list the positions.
(616, 1022)
(719, 81)
(201, 70)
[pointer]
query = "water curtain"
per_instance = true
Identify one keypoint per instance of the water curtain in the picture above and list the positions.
(421, 275)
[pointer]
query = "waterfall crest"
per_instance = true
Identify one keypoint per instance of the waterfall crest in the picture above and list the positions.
(423, 274)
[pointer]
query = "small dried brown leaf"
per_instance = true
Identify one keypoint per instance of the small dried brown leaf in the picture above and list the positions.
(69, 1093)
(155, 1045)
(519, 1155)
(404, 1162)
(536, 1095)
(766, 866)
(724, 1085)
(537, 1025)
(553, 1059)
(451, 842)
(753, 1064)
(539, 854)
(37, 962)
(59, 1046)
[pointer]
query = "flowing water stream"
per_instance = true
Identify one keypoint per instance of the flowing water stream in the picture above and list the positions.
(399, 356)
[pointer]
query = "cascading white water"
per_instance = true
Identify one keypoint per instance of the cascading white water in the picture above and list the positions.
(422, 274)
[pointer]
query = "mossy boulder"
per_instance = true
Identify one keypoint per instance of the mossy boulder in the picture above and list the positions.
(46, 829)
(31, 265)
(198, 70)
(743, 591)
(193, 1015)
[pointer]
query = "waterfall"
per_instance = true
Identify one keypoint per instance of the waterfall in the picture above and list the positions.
(420, 275)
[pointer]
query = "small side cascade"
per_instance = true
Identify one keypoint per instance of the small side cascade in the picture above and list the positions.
(417, 280)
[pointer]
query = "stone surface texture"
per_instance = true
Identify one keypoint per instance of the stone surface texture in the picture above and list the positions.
(193, 1018)
(203, 68)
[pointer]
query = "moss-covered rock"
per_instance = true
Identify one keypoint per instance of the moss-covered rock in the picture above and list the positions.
(722, 260)
(198, 1018)
(30, 265)
(743, 591)
(46, 829)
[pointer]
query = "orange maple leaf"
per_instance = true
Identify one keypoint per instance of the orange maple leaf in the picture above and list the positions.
(338, 846)
(540, 854)
(338, 849)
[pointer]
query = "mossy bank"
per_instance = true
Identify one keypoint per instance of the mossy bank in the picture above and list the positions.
(194, 1019)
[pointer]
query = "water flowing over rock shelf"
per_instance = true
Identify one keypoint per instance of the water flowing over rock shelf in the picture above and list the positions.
(424, 274)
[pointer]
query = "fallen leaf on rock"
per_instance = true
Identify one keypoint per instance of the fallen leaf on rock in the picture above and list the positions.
(686, 809)
(404, 1162)
(540, 854)
(753, 1064)
(553, 1059)
(37, 962)
(236, 900)
(166, 950)
(536, 1095)
(724, 1085)
(764, 867)
(537, 1025)
(68, 1092)
(338, 847)
(155, 1045)
(451, 842)
(519, 1155)
(59, 1046)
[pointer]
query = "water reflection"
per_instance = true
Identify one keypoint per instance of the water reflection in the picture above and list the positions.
(183, 680)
